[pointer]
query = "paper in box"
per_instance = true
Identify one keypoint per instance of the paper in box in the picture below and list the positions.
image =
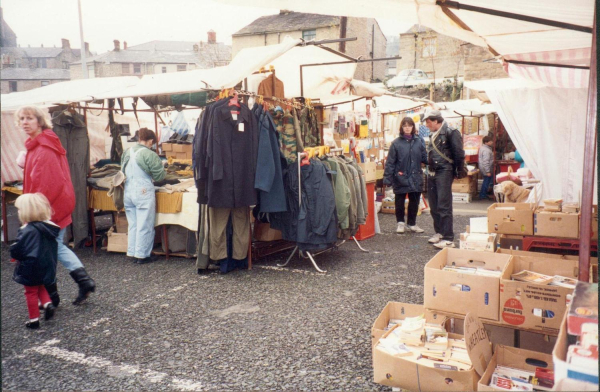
(510, 218)
(477, 237)
(535, 306)
(476, 291)
(514, 358)
(400, 311)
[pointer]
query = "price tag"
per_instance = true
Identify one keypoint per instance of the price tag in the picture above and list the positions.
(234, 116)
(241, 127)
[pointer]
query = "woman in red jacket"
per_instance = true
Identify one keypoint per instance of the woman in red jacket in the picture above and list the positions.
(47, 171)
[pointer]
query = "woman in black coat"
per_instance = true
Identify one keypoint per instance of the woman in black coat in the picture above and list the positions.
(403, 171)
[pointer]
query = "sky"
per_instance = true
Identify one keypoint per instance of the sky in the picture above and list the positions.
(37, 22)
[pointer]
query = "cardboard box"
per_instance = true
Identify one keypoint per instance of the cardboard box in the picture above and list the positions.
(584, 307)
(369, 171)
(478, 241)
(514, 358)
(450, 291)
(564, 370)
(496, 334)
(121, 224)
(537, 342)
(264, 232)
(388, 207)
(167, 147)
(187, 148)
(595, 223)
(183, 155)
(510, 218)
(117, 242)
(402, 373)
(535, 306)
(462, 198)
(508, 241)
(400, 311)
(555, 224)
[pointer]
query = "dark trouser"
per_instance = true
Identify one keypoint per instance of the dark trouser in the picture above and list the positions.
(413, 207)
(485, 186)
(440, 202)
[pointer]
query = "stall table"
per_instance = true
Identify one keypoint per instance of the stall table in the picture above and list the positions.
(8, 192)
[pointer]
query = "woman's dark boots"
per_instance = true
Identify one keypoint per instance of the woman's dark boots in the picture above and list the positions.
(52, 290)
(85, 283)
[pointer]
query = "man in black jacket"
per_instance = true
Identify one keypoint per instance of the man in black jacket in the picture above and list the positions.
(446, 160)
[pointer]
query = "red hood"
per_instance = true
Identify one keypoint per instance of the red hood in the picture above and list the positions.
(47, 138)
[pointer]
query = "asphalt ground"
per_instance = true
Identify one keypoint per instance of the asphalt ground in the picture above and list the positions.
(161, 326)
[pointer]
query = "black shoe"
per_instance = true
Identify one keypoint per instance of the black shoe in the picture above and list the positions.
(135, 137)
(147, 260)
(52, 290)
(33, 324)
(49, 312)
(206, 271)
(85, 283)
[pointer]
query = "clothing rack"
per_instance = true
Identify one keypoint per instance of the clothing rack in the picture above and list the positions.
(286, 102)
(301, 253)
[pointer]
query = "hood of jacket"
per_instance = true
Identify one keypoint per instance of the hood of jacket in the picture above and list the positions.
(48, 230)
(47, 138)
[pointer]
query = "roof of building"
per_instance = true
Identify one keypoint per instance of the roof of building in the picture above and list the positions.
(417, 29)
(168, 52)
(292, 21)
(35, 74)
(32, 52)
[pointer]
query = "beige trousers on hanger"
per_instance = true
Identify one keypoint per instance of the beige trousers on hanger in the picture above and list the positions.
(240, 218)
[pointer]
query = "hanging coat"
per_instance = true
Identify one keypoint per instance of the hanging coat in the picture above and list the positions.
(73, 135)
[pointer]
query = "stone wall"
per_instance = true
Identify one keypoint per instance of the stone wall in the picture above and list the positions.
(477, 69)
(24, 85)
(447, 61)
(362, 29)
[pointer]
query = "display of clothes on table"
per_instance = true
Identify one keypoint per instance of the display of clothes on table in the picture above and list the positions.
(224, 163)
(72, 131)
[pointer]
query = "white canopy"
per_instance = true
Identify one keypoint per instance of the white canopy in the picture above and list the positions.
(534, 31)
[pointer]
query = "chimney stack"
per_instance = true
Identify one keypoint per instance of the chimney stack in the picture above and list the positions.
(87, 47)
(117, 45)
(212, 37)
(284, 12)
(65, 44)
(124, 45)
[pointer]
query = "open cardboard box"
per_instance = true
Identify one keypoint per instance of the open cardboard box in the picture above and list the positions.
(117, 242)
(400, 311)
(535, 306)
(514, 358)
(477, 238)
(508, 241)
(555, 224)
(565, 371)
(407, 374)
(454, 292)
(511, 218)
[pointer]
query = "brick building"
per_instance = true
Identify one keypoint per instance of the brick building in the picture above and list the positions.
(272, 29)
(446, 57)
(7, 36)
(156, 57)
(23, 79)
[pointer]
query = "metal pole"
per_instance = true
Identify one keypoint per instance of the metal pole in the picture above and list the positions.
(372, 52)
(83, 63)
(589, 155)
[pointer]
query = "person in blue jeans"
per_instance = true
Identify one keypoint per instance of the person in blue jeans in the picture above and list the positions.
(486, 166)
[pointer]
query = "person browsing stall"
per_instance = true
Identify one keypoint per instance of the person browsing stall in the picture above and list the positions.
(446, 160)
(141, 166)
(403, 171)
(46, 171)
(35, 252)
(486, 165)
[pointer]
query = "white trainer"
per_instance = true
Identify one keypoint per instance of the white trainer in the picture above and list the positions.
(444, 244)
(400, 229)
(435, 239)
(416, 229)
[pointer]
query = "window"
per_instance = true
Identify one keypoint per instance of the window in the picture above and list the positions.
(309, 35)
(137, 68)
(41, 63)
(45, 83)
(164, 69)
(125, 68)
(12, 86)
(181, 67)
(428, 47)
(65, 64)
(91, 71)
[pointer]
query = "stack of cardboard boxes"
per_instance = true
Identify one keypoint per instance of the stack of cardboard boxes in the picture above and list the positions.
(477, 287)
(177, 151)
(465, 189)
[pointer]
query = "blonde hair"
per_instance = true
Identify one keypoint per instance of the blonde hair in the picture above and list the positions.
(33, 207)
(42, 118)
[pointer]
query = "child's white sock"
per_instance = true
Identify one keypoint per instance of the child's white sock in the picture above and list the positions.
(33, 320)
(46, 304)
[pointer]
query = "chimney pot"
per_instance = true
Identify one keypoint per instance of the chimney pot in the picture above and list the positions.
(87, 47)
(212, 37)
(66, 44)
(124, 45)
(284, 12)
(117, 45)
